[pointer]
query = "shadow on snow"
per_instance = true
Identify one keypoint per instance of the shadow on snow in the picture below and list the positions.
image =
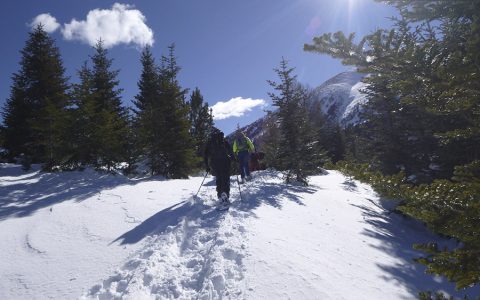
(170, 217)
(397, 235)
(253, 195)
(23, 193)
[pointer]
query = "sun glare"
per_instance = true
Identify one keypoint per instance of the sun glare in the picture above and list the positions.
(352, 4)
(341, 12)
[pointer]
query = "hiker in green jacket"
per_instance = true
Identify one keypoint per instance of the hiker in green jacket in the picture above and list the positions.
(242, 147)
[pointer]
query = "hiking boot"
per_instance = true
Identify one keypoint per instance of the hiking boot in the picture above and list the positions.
(224, 197)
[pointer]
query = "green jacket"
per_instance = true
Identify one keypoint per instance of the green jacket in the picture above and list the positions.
(243, 143)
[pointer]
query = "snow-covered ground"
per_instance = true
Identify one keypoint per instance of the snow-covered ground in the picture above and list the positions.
(88, 235)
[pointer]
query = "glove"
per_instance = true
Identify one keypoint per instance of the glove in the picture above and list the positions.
(207, 169)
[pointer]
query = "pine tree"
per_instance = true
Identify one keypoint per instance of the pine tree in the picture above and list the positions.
(84, 134)
(149, 114)
(3, 151)
(102, 122)
(298, 153)
(424, 87)
(111, 116)
(329, 134)
(270, 141)
(178, 150)
(381, 116)
(202, 121)
(132, 150)
(36, 114)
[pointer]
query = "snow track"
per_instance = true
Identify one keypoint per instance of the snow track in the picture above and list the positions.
(110, 237)
(200, 257)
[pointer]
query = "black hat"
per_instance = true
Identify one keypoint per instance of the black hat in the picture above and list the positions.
(214, 132)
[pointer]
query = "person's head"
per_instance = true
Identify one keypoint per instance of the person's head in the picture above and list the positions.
(240, 134)
(216, 134)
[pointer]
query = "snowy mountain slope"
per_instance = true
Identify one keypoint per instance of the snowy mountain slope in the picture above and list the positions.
(87, 235)
(341, 99)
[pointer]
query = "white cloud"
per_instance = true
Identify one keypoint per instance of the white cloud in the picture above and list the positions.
(48, 22)
(235, 107)
(120, 24)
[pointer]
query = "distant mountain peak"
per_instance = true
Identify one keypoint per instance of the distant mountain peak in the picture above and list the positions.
(340, 98)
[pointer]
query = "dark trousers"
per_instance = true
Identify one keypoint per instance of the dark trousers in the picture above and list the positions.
(222, 179)
(244, 158)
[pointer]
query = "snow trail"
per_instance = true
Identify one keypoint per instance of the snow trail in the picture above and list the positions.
(334, 239)
(92, 235)
(200, 257)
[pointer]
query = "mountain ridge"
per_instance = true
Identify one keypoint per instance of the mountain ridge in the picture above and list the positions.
(340, 99)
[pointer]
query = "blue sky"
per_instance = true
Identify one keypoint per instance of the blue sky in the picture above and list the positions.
(227, 49)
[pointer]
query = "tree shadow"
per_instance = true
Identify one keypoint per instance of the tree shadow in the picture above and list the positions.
(23, 193)
(269, 193)
(397, 234)
(171, 216)
(195, 208)
(350, 185)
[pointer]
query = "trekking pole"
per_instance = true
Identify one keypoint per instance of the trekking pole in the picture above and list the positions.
(238, 182)
(206, 173)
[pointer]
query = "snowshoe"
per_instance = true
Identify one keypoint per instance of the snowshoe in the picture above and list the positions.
(224, 197)
(224, 203)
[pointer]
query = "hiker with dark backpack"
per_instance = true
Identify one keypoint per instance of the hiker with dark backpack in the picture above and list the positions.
(242, 147)
(218, 157)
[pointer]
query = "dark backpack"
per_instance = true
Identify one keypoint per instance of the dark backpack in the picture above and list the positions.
(218, 152)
